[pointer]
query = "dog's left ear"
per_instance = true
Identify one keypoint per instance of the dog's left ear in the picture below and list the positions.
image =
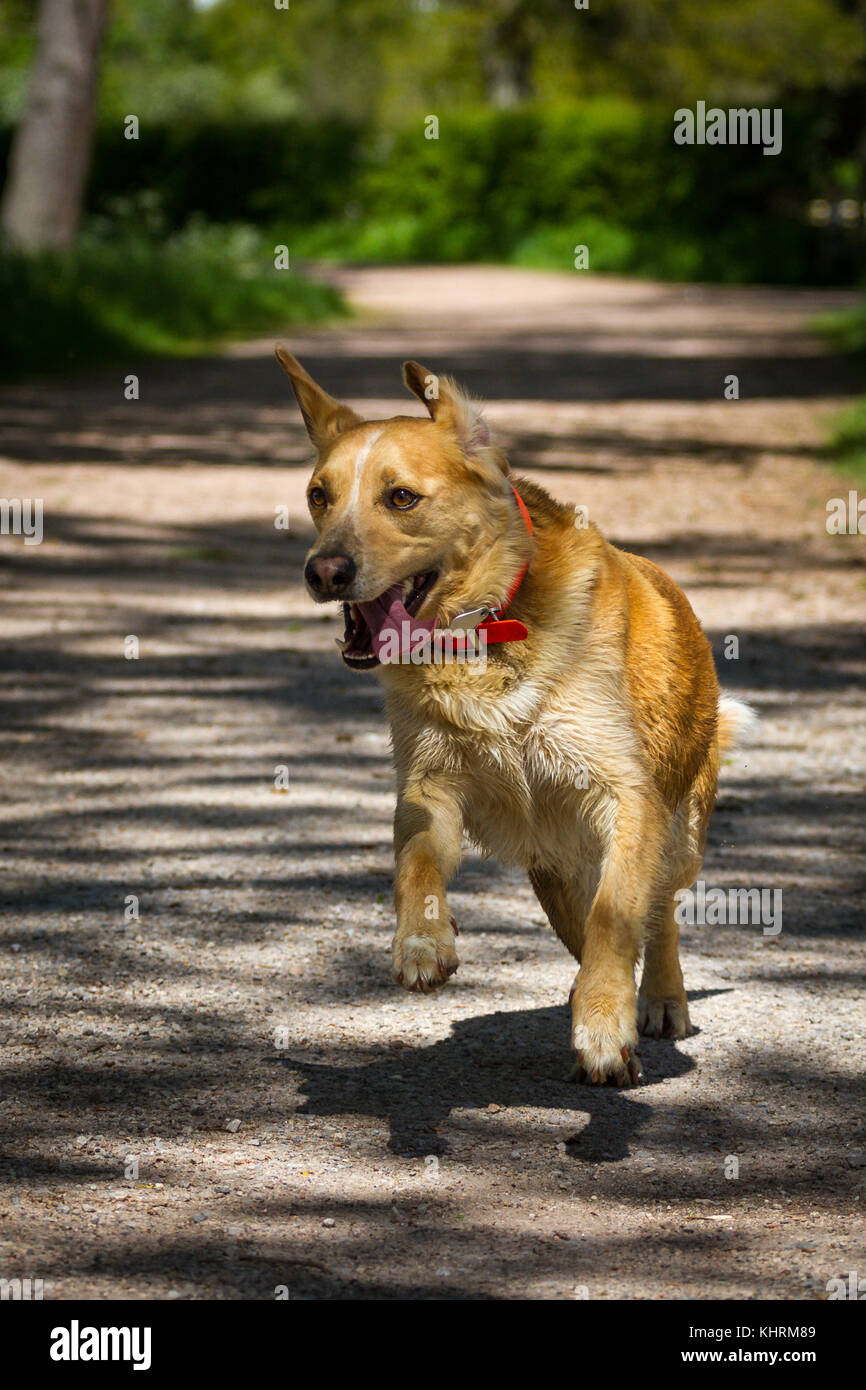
(451, 407)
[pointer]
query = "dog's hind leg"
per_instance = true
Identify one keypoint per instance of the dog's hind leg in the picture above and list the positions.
(603, 1006)
(662, 1009)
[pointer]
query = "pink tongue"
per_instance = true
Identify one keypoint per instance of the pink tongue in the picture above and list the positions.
(393, 630)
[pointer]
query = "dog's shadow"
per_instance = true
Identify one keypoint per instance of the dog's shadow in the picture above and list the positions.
(510, 1059)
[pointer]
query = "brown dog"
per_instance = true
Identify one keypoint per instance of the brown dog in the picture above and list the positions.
(584, 745)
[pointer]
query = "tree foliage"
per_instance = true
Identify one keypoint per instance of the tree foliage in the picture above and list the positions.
(380, 60)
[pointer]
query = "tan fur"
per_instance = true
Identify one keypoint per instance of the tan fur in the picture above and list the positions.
(588, 754)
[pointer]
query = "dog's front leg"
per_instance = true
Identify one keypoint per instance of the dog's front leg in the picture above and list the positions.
(428, 829)
(603, 1006)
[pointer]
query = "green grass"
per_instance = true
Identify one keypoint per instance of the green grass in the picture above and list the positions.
(126, 289)
(411, 239)
(845, 330)
(614, 248)
(847, 443)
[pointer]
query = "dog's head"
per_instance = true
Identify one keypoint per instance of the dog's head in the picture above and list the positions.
(414, 516)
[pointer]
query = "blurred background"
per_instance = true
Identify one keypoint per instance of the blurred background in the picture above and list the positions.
(259, 125)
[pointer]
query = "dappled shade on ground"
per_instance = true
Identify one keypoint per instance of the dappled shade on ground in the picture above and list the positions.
(439, 1135)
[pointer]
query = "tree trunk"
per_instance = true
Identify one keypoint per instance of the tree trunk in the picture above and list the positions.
(508, 54)
(50, 155)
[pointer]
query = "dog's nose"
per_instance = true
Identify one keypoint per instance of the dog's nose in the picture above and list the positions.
(330, 575)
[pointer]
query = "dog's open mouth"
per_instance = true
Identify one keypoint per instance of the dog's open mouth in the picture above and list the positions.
(380, 621)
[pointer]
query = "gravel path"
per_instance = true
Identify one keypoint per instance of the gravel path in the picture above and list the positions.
(225, 1094)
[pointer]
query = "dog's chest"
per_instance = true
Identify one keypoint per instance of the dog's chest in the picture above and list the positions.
(527, 792)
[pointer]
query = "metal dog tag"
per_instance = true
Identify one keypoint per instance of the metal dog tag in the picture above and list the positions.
(468, 621)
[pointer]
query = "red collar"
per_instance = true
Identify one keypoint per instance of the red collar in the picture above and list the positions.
(494, 626)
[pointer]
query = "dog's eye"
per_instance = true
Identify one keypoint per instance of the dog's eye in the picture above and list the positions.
(403, 499)
(316, 497)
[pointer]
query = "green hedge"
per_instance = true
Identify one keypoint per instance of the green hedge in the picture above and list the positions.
(245, 172)
(525, 185)
(529, 185)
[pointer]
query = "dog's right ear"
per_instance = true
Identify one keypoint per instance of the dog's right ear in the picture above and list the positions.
(324, 417)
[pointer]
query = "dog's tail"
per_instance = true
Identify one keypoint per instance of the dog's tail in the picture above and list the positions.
(737, 722)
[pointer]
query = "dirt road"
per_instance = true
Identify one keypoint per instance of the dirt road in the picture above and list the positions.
(210, 1087)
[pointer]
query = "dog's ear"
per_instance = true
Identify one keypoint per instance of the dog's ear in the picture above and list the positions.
(324, 417)
(451, 407)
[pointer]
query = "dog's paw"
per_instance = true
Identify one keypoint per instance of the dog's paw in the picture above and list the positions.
(660, 1017)
(603, 1033)
(422, 962)
(597, 1069)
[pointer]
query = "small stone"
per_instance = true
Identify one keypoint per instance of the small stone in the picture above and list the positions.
(233, 1126)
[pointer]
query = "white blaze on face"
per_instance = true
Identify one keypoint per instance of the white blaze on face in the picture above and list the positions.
(360, 459)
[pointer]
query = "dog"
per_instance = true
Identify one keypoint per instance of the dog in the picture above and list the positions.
(585, 746)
